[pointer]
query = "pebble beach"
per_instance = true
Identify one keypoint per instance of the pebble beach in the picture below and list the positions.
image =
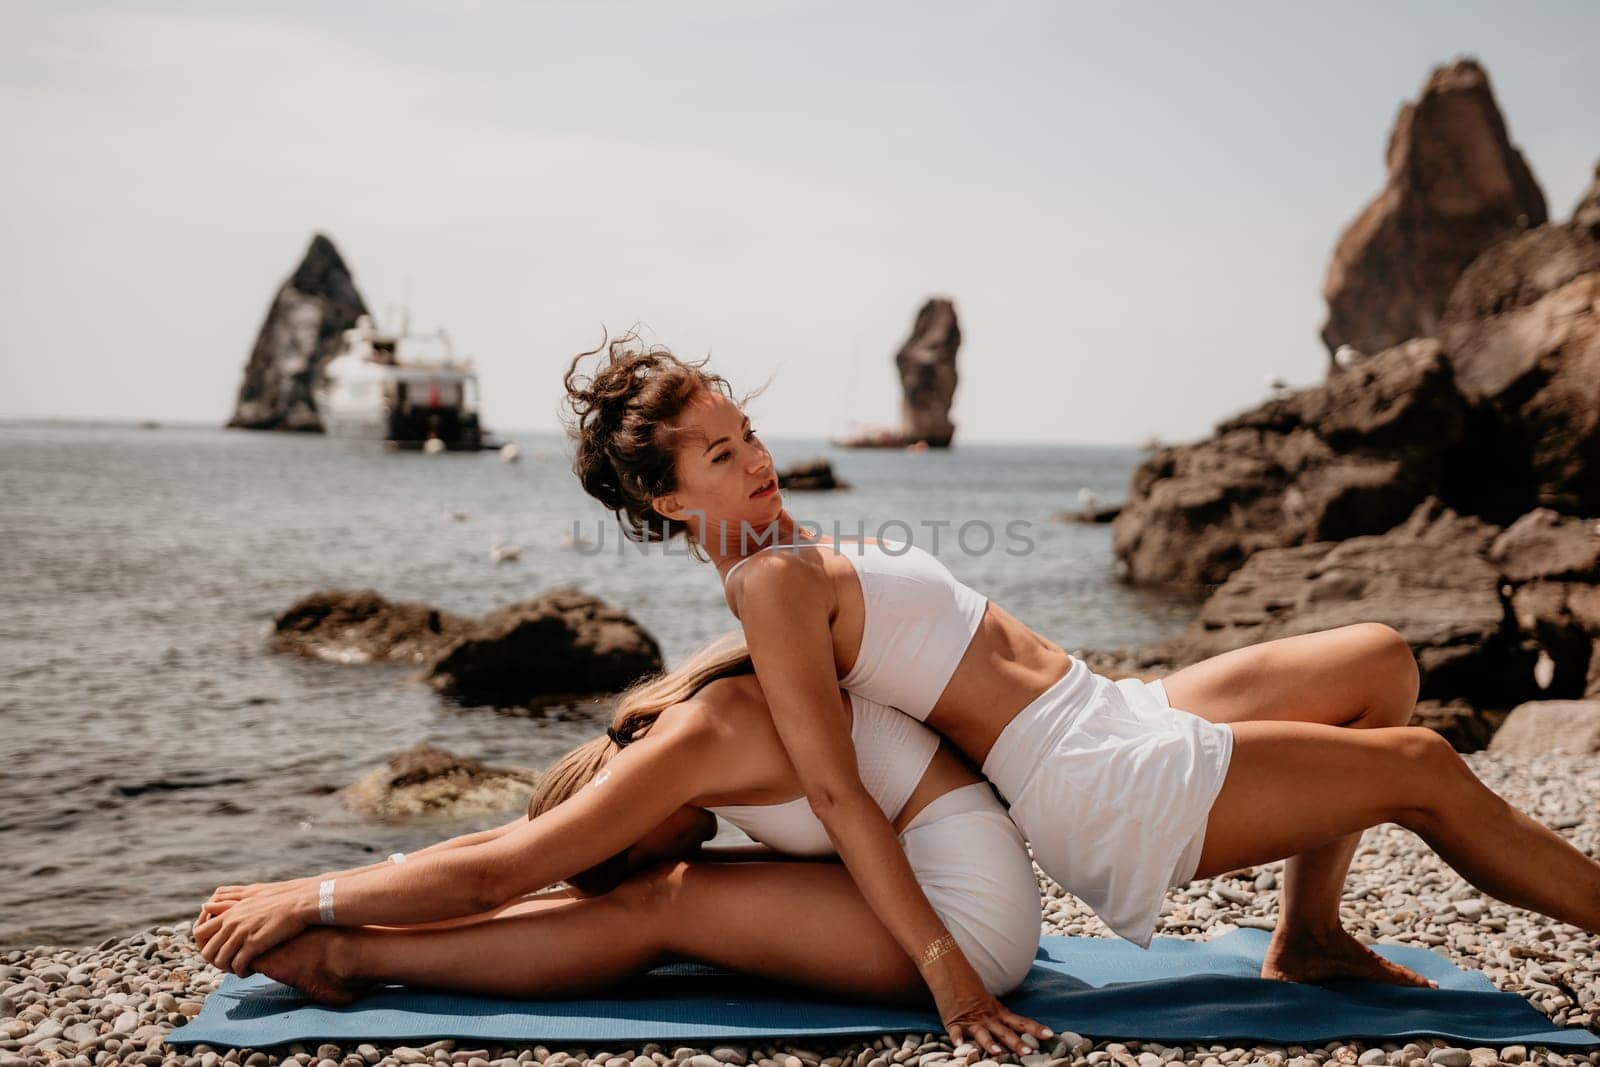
(115, 1003)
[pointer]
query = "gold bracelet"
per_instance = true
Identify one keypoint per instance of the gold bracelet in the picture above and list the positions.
(935, 949)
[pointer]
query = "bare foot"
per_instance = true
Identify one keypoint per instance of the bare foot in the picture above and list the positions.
(309, 962)
(1301, 956)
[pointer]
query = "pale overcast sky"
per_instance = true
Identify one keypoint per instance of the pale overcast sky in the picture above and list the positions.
(1132, 205)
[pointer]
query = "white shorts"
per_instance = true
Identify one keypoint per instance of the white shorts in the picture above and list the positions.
(971, 862)
(1112, 786)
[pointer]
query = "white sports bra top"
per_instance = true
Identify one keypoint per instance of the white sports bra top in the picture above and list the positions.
(919, 622)
(892, 752)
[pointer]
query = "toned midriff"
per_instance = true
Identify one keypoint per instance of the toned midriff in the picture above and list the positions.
(1005, 665)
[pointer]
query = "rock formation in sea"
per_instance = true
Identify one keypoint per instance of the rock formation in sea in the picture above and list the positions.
(359, 626)
(810, 475)
(312, 308)
(426, 780)
(1456, 185)
(561, 645)
(926, 364)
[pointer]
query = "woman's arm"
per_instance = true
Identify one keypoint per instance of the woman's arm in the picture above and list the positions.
(477, 837)
(783, 604)
(642, 784)
(240, 892)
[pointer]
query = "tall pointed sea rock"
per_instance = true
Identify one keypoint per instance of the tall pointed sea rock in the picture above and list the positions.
(313, 307)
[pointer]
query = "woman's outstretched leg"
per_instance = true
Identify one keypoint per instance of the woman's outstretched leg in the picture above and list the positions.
(1361, 676)
(805, 923)
(1291, 787)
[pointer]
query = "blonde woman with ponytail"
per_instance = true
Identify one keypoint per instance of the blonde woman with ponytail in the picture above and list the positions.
(622, 820)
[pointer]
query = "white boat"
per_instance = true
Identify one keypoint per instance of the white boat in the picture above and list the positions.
(401, 387)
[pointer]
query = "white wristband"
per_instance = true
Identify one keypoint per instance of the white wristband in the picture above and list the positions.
(397, 857)
(325, 901)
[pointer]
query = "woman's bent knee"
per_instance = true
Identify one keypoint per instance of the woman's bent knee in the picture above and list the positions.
(1430, 770)
(1391, 652)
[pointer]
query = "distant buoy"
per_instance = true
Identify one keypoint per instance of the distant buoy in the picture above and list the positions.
(505, 553)
(433, 446)
(510, 452)
(458, 516)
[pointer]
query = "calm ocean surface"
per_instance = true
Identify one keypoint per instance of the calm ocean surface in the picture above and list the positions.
(151, 748)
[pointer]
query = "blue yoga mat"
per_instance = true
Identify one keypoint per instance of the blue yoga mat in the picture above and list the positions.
(1176, 990)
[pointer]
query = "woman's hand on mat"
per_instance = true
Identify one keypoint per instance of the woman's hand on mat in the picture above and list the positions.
(971, 1013)
(232, 938)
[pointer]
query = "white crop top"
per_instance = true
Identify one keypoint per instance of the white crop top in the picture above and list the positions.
(892, 752)
(919, 622)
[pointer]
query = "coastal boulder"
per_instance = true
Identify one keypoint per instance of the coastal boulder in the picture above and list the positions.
(558, 645)
(426, 780)
(1522, 330)
(311, 310)
(1550, 727)
(1429, 578)
(359, 626)
(1456, 185)
(1353, 455)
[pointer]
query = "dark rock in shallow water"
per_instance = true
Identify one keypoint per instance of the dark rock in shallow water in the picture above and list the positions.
(317, 303)
(1456, 186)
(560, 644)
(426, 780)
(1351, 456)
(557, 646)
(1090, 516)
(359, 626)
(810, 475)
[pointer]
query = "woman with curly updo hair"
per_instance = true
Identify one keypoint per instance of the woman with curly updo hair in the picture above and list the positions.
(626, 431)
(1124, 788)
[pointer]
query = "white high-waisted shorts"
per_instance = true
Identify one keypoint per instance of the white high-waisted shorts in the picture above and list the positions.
(1112, 787)
(970, 860)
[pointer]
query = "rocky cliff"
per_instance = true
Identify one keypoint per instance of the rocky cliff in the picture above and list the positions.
(1456, 185)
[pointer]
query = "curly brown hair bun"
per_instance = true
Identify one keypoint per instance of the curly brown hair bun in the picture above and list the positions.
(624, 428)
